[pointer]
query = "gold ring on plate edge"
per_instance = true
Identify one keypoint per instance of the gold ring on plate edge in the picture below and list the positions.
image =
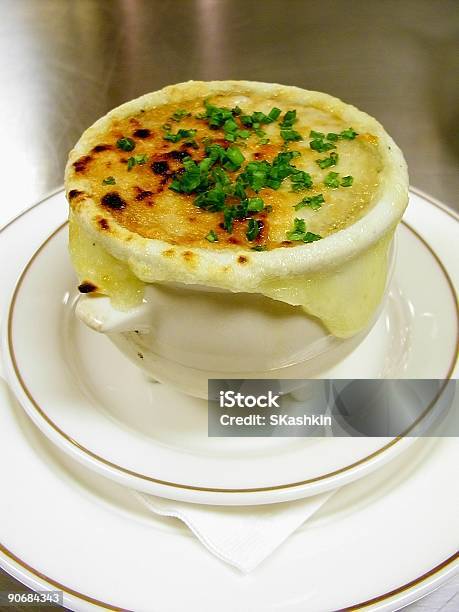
(432, 572)
(147, 478)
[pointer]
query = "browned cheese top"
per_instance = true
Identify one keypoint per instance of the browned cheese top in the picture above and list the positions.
(134, 186)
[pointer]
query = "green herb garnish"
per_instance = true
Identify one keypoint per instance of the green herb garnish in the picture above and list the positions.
(179, 135)
(233, 158)
(290, 135)
(347, 181)
(215, 115)
(229, 214)
(258, 118)
(274, 113)
(232, 131)
(194, 176)
(125, 144)
(255, 204)
(253, 229)
(299, 232)
(110, 180)
(259, 174)
(328, 162)
(332, 180)
(301, 180)
(314, 202)
(259, 247)
(287, 132)
(288, 119)
(212, 236)
(310, 237)
(321, 146)
(136, 160)
(180, 114)
(348, 134)
(212, 200)
(319, 141)
(316, 135)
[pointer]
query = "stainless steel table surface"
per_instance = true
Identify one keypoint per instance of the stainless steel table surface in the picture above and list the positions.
(64, 63)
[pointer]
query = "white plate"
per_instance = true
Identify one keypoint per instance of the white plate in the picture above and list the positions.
(386, 539)
(79, 389)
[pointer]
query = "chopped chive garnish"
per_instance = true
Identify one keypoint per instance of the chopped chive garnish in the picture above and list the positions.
(301, 180)
(243, 133)
(180, 114)
(246, 120)
(314, 202)
(110, 180)
(322, 143)
(347, 181)
(136, 160)
(258, 118)
(259, 174)
(310, 237)
(230, 126)
(212, 200)
(125, 144)
(316, 135)
(321, 146)
(274, 113)
(179, 135)
(288, 119)
(214, 187)
(287, 132)
(255, 204)
(215, 116)
(228, 218)
(332, 180)
(290, 135)
(328, 162)
(348, 134)
(253, 229)
(234, 158)
(299, 232)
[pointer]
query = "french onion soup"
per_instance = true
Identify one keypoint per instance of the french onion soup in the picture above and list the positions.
(242, 186)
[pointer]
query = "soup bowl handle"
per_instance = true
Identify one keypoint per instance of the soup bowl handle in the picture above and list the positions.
(98, 314)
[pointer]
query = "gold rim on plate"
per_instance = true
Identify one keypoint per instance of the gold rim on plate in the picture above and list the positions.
(145, 477)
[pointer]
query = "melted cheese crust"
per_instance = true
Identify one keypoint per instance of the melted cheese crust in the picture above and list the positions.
(151, 210)
(158, 235)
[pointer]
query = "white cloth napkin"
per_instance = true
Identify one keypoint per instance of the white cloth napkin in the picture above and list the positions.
(242, 536)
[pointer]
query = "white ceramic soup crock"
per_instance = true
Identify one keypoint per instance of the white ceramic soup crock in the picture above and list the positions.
(184, 335)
